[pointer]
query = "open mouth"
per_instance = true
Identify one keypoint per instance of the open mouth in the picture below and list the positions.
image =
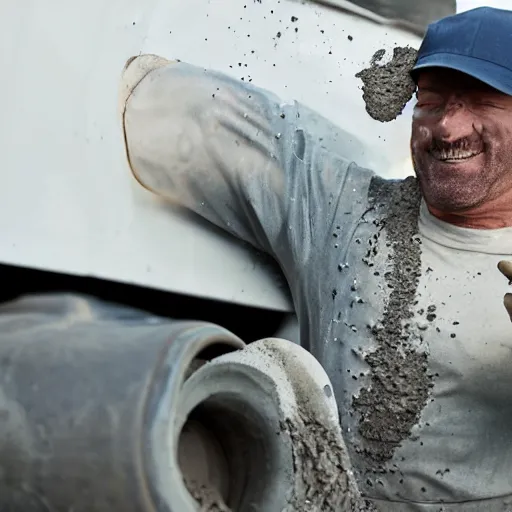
(455, 156)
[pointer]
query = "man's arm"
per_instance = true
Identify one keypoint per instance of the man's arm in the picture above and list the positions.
(233, 154)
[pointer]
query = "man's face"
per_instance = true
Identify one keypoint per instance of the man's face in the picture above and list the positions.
(461, 140)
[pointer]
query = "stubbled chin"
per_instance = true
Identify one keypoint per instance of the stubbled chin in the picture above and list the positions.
(453, 186)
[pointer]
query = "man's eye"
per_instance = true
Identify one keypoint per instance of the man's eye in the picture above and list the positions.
(427, 104)
(429, 100)
(488, 104)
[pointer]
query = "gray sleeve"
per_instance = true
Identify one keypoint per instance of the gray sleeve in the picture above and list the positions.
(237, 156)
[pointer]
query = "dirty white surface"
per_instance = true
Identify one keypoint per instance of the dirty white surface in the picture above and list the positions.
(68, 202)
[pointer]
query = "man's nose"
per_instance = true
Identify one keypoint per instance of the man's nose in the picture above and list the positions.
(455, 122)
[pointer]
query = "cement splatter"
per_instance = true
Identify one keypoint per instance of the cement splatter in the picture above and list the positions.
(207, 497)
(322, 482)
(323, 479)
(392, 403)
(388, 88)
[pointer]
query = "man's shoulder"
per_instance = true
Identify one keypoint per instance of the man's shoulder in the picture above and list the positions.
(364, 189)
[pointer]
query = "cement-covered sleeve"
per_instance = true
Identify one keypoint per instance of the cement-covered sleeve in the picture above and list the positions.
(234, 154)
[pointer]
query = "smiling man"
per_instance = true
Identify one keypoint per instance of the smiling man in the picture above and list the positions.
(394, 282)
(462, 127)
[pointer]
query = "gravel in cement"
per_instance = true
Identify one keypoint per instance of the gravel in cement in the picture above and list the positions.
(388, 88)
(320, 467)
(399, 388)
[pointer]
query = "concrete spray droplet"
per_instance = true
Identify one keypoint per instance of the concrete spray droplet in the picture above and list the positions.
(388, 88)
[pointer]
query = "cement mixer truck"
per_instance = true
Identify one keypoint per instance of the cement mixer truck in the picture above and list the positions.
(149, 362)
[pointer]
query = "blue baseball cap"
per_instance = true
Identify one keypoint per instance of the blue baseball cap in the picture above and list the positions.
(476, 42)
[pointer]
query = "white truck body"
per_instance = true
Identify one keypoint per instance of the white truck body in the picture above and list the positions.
(68, 202)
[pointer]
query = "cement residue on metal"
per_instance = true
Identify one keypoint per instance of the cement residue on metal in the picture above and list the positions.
(391, 404)
(388, 88)
(322, 481)
(207, 497)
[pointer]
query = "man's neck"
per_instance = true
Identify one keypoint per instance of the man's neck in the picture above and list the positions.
(493, 214)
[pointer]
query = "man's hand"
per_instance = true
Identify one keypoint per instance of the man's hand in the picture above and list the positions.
(505, 267)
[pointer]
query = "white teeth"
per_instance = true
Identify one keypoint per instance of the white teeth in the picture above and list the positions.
(455, 154)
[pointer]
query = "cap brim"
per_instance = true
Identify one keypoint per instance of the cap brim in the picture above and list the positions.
(496, 76)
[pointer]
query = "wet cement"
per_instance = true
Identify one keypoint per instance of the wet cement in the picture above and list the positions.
(391, 404)
(388, 88)
(323, 483)
(207, 497)
(323, 479)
